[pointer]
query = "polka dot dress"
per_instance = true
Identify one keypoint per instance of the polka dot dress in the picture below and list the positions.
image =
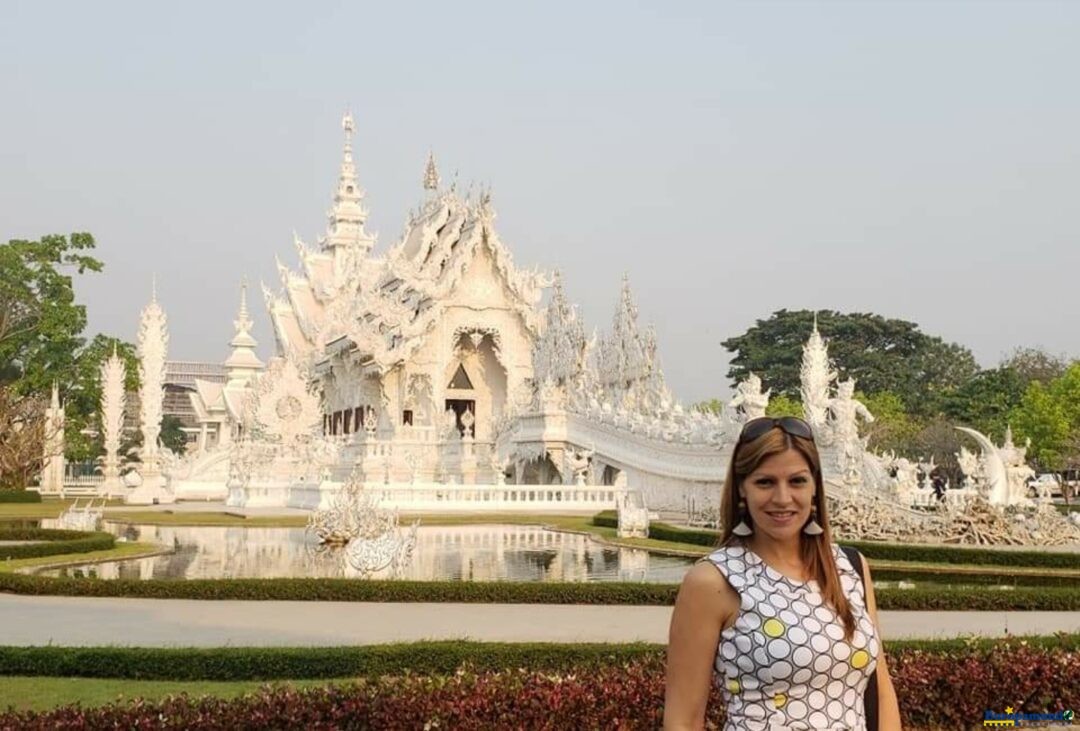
(784, 663)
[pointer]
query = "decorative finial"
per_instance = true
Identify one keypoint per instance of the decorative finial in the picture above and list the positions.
(815, 321)
(348, 125)
(431, 173)
(153, 287)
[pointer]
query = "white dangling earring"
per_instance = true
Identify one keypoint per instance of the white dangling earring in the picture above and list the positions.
(742, 528)
(813, 528)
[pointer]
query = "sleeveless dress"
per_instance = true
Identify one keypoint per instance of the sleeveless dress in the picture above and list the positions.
(784, 664)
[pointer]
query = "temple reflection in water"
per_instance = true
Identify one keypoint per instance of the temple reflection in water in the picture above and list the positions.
(462, 553)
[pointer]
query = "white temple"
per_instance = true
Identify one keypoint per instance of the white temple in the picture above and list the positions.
(434, 368)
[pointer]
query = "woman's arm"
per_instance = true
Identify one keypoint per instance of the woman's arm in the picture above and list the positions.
(705, 603)
(888, 706)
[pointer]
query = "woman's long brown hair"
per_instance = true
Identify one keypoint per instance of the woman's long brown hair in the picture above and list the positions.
(815, 551)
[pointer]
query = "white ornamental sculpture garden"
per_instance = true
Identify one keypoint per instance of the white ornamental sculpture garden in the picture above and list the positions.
(371, 537)
(152, 346)
(113, 401)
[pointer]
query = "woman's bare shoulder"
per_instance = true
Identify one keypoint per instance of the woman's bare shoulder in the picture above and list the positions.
(704, 583)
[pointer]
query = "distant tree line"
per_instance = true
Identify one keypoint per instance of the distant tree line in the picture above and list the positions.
(919, 386)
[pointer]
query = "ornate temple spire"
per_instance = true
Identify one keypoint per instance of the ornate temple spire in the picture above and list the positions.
(151, 346)
(816, 375)
(431, 174)
(243, 364)
(347, 217)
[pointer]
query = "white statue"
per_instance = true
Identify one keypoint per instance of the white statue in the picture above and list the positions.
(1016, 468)
(749, 401)
(993, 468)
(577, 464)
(844, 412)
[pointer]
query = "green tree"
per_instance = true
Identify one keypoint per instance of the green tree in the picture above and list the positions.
(172, 436)
(784, 405)
(893, 429)
(40, 334)
(881, 354)
(40, 324)
(1035, 364)
(1049, 415)
(986, 401)
(1042, 418)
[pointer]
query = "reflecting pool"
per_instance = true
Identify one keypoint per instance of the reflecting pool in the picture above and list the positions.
(455, 553)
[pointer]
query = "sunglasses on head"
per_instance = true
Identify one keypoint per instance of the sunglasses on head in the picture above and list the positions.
(790, 425)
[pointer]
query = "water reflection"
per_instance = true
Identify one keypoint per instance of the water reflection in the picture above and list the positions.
(465, 553)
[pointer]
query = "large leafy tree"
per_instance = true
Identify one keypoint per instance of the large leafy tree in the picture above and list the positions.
(1049, 415)
(40, 324)
(40, 335)
(883, 355)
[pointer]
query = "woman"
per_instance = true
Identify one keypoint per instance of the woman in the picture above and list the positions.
(778, 611)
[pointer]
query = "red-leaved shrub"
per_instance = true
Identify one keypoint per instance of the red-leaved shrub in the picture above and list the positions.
(937, 690)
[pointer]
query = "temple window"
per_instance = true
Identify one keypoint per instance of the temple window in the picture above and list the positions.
(406, 417)
(460, 379)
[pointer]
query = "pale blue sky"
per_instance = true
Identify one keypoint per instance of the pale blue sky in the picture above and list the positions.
(915, 159)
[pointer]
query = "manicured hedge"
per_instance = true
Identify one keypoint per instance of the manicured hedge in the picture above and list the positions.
(923, 577)
(883, 551)
(20, 496)
(418, 658)
(602, 593)
(350, 590)
(57, 542)
(947, 689)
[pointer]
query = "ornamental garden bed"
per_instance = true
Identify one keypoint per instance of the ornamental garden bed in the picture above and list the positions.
(21, 542)
(949, 687)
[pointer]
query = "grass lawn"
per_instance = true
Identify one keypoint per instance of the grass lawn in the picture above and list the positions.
(161, 517)
(38, 694)
(47, 508)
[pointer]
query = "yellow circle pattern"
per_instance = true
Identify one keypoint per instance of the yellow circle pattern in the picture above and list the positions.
(780, 699)
(773, 627)
(859, 659)
(733, 686)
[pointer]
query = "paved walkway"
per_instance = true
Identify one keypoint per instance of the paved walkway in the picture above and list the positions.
(69, 621)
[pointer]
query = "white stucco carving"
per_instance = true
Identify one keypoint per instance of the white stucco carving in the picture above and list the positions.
(113, 401)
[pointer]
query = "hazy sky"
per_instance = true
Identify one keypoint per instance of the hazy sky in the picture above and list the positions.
(915, 159)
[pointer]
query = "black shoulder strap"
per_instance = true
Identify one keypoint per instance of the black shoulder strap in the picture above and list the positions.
(856, 561)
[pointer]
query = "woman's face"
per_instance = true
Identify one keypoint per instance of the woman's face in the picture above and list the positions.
(779, 495)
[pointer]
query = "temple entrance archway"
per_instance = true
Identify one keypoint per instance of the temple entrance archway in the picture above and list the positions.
(459, 407)
(475, 380)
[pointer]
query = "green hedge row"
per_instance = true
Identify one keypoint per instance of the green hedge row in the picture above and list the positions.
(20, 496)
(350, 590)
(956, 578)
(606, 593)
(882, 551)
(418, 658)
(56, 542)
